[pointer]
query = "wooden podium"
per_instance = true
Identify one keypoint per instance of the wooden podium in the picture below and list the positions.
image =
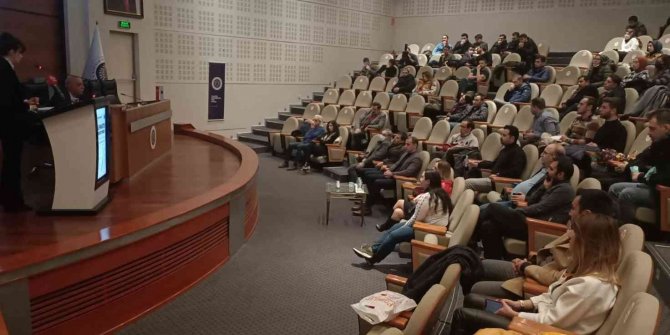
(141, 133)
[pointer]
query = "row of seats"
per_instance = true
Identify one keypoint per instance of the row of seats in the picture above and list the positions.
(616, 42)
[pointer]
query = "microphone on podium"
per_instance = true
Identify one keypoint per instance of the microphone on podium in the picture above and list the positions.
(53, 83)
(135, 100)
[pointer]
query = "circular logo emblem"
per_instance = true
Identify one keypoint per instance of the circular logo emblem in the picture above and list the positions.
(217, 83)
(101, 72)
(152, 137)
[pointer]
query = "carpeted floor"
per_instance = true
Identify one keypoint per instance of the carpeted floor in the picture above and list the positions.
(295, 276)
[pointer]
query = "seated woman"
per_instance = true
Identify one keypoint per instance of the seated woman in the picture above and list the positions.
(654, 50)
(601, 68)
(426, 86)
(389, 70)
(318, 146)
(638, 76)
(579, 302)
(404, 209)
(432, 206)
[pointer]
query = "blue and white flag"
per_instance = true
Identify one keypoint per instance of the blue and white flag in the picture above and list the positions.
(95, 64)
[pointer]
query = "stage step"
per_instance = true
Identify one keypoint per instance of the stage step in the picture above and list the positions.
(258, 148)
(305, 102)
(276, 123)
(253, 138)
(262, 130)
(296, 109)
(337, 172)
(317, 96)
(285, 115)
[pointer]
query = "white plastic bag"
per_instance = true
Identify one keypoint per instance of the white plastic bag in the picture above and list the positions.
(382, 306)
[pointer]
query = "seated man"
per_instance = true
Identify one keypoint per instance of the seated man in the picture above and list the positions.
(371, 119)
(518, 92)
(543, 122)
(630, 42)
(387, 151)
(584, 89)
(584, 126)
(640, 28)
(479, 42)
(462, 46)
(441, 47)
(405, 83)
(312, 134)
(510, 162)
(481, 73)
(408, 165)
(477, 112)
(500, 46)
(74, 91)
(539, 73)
(613, 89)
(641, 192)
(527, 49)
(459, 145)
(408, 58)
(549, 201)
(549, 263)
(367, 69)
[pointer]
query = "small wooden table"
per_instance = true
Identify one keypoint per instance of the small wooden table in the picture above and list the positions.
(345, 191)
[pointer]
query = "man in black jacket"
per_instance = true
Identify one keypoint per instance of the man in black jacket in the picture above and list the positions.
(584, 89)
(388, 151)
(74, 91)
(405, 83)
(549, 200)
(462, 46)
(613, 89)
(510, 162)
(15, 121)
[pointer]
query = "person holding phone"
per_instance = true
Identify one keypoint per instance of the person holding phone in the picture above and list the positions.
(578, 303)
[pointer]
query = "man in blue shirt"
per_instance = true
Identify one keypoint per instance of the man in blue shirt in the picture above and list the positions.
(539, 73)
(519, 92)
(543, 122)
(315, 131)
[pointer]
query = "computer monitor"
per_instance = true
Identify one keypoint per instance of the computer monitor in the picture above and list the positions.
(102, 141)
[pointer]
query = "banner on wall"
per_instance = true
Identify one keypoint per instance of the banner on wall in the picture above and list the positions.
(217, 87)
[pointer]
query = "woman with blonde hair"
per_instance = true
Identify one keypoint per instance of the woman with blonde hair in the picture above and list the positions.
(426, 86)
(578, 302)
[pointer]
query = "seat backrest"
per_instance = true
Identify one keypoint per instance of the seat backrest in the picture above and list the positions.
(411, 70)
(344, 137)
(457, 189)
(290, 125)
(640, 316)
(425, 160)
(378, 84)
(374, 141)
(329, 113)
(449, 89)
(464, 200)
(534, 90)
(398, 103)
(642, 142)
(633, 53)
(345, 116)
(524, 118)
(574, 180)
(440, 132)
(552, 74)
(631, 99)
(443, 73)
(665, 51)
(414, 48)
(630, 134)
(331, 96)
(505, 115)
(495, 60)
(565, 123)
(543, 49)
(361, 83)
(479, 135)
(614, 44)
(423, 60)
(634, 276)
(364, 99)
(462, 72)
(589, 184)
(493, 110)
(422, 128)
(500, 94)
(532, 155)
(416, 104)
(611, 54)
(451, 276)
(427, 311)
(512, 57)
(312, 109)
(569, 92)
(554, 112)
(632, 238)
(622, 70)
(465, 226)
(491, 147)
(383, 99)
(391, 83)
(343, 82)
(427, 47)
(384, 59)
(665, 40)
(423, 69)
(347, 98)
(357, 117)
(582, 59)
(552, 95)
(567, 75)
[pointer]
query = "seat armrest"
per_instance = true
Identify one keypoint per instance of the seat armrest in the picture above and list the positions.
(356, 152)
(532, 287)
(398, 322)
(395, 280)
(409, 185)
(428, 246)
(521, 103)
(481, 123)
(504, 180)
(486, 171)
(536, 225)
(528, 327)
(333, 145)
(638, 119)
(403, 178)
(430, 228)
(433, 143)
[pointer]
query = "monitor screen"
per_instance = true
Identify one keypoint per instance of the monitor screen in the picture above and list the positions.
(101, 124)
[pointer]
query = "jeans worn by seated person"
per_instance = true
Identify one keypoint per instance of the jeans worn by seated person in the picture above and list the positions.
(399, 232)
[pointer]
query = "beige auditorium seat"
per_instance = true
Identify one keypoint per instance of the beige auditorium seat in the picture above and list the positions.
(589, 184)
(524, 118)
(383, 99)
(448, 93)
(462, 72)
(500, 94)
(512, 57)
(552, 95)
(532, 156)
(336, 151)
(566, 122)
(398, 105)
(414, 48)
(423, 60)
(329, 113)
(422, 129)
(361, 83)
(414, 110)
(277, 139)
(443, 73)
(400, 180)
(391, 83)
(611, 54)
(411, 70)
(312, 109)
(543, 49)
(495, 60)
(552, 75)
(331, 96)
(435, 58)
(631, 99)
(622, 70)
(614, 44)
(641, 143)
(665, 40)
(665, 51)
(491, 147)
(635, 53)
(427, 47)
(363, 100)
(534, 91)
(423, 69)
(357, 117)
(631, 131)
(569, 91)
(347, 98)
(378, 84)
(345, 117)
(374, 140)
(568, 76)
(504, 116)
(477, 133)
(582, 59)
(554, 112)
(437, 137)
(343, 82)
(644, 40)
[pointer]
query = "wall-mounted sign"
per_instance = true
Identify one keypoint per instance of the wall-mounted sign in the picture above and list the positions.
(124, 24)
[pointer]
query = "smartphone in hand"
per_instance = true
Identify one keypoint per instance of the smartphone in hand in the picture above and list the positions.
(492, 306)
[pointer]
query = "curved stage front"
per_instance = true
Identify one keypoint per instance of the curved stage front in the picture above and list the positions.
(165, 229)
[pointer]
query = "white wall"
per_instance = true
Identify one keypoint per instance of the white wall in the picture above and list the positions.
(566, 25)
(275, 50)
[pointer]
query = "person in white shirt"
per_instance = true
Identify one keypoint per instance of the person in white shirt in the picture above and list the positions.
(630, 42)
(579, 302)
(459, 144)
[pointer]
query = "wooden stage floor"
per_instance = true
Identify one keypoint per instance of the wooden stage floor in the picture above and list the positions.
(193, 168)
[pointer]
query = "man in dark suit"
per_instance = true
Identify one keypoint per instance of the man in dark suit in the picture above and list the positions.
(14, 123)
(74, 92)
